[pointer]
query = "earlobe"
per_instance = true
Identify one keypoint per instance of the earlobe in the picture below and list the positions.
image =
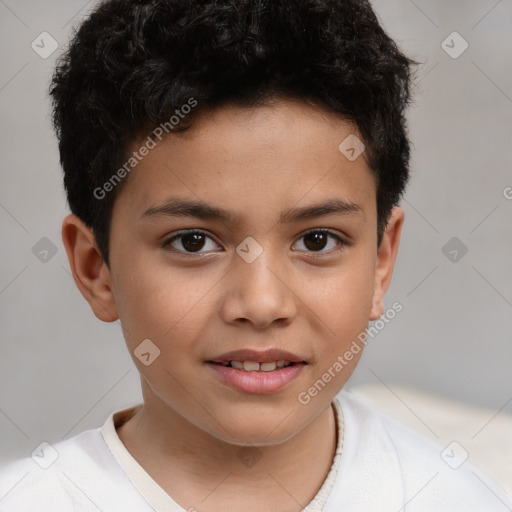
(90, 272)
(386, 257)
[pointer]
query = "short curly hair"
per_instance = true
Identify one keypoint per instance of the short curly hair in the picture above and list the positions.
(132, 63)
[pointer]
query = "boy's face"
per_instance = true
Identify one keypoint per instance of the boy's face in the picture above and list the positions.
(199, 298)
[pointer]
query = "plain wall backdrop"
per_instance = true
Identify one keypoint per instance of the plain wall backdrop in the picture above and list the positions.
(63, 371)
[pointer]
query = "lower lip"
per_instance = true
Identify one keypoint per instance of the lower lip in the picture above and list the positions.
(257, 382)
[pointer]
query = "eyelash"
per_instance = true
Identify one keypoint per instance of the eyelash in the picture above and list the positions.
(314, 254)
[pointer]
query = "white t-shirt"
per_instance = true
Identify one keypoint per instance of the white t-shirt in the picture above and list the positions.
(379, 466)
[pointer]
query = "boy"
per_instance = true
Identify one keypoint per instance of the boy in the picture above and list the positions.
(234, 170)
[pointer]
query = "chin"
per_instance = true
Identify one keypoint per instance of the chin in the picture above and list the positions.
(259, 428)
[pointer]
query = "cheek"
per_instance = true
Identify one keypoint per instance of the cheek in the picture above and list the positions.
(343, 304)
(343, 299)
(162, 303)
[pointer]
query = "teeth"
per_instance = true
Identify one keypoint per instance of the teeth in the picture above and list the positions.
(250, 366)
(268, 367)
(254, 366)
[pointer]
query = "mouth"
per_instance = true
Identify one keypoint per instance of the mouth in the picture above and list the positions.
(266, 359)
(255, 366)
(257, 372)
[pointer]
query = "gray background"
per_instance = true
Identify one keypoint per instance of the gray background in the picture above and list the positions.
(63, 371)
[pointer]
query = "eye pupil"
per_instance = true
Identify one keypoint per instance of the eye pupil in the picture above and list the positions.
(193, 241)
(315, 241)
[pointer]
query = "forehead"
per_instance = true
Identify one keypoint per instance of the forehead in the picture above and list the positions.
(250, 160)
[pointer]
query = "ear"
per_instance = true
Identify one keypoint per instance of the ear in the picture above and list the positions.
(386, 257)
(90, 272)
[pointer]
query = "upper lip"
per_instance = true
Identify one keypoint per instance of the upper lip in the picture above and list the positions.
(264, 356)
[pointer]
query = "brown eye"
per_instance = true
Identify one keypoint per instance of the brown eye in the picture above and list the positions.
(193, 242)
(315, 241)
(188, 242)
(318, 239)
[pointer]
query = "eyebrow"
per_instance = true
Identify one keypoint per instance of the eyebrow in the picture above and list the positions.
(202, 210)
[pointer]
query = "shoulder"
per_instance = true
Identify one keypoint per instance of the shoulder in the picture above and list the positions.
(78, 473)
(45, 480)
(432, 477)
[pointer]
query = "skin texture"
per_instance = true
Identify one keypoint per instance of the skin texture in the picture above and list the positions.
(254, 162)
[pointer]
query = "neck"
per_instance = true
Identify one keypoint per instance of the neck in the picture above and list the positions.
(188, 462)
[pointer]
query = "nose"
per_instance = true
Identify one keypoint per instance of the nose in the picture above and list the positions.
(258, 292)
